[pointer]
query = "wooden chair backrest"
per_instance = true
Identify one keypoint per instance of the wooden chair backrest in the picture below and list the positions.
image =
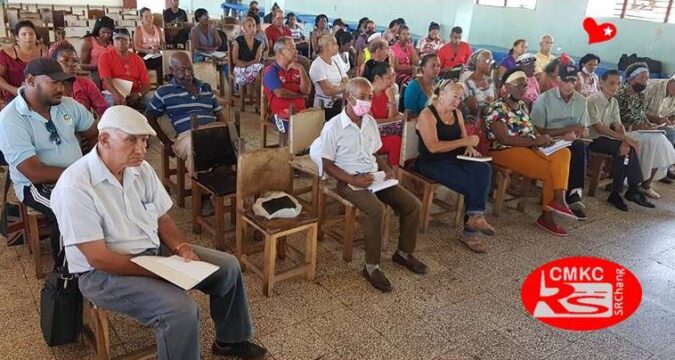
(212, 147)
(207, 72)
(263, 170)
(409, 142)
(304, 128)
(94, 14)
(158, 20)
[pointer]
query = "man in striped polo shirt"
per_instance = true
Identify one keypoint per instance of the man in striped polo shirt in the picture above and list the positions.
(179, 100)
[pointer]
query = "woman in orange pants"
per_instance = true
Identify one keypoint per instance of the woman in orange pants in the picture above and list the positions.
(513, 146)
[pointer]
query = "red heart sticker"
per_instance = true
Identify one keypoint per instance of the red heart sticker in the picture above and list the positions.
(598, 32)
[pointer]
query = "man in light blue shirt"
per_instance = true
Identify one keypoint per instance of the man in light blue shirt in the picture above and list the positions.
(561, 112)
(38, 136)
(111, 206)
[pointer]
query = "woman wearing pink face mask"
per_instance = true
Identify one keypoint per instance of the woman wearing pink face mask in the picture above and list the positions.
(443, 138)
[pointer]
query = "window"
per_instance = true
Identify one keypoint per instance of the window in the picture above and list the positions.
(648, 10)
(526, 4)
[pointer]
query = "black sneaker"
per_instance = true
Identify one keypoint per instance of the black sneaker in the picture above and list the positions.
(377, 279)
(639, 198)
(666, 180)
(242, 350)
(573, 199)
(616, 200)
(579, 209)
(671, 174)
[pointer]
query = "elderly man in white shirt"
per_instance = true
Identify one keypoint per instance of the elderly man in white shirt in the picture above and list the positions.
(347, 148)
(111, 206)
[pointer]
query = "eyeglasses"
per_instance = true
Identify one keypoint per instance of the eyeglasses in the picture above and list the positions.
(53, 134)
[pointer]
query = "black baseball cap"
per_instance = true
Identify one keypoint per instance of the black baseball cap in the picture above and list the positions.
(568, 72)
(46, 66)
(119, 32)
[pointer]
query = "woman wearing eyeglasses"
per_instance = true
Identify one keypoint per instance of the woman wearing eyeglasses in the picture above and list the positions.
(514, 146)
(443, 138)
(82, 89)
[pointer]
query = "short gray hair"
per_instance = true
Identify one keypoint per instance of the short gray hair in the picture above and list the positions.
(281, 43)
(377, 44)
(354, 84)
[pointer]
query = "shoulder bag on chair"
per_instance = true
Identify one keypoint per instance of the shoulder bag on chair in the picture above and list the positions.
(61, 306)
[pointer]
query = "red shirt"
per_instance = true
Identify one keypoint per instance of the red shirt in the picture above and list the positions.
(451, 57)
(380, 106)
(87, 93)
(274, 32)
(275, 77)
(111, 65)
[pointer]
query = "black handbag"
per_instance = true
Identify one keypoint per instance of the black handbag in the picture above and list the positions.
(61, 307)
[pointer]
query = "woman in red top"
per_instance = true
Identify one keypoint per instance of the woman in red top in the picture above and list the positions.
(13, 59)
(82, 89)
(384, 108)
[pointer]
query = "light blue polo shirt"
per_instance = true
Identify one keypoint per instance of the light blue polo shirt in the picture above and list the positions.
(90, 204)
(23, 134)
(550, 111)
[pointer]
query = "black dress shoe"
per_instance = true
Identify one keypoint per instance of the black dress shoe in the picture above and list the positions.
(242, 350)
(666, 180)
(639, 199)
(411, 263)
(671, 174)
(377, 279)
(616, 200)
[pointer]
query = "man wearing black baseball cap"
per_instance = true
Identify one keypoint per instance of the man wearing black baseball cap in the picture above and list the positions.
(38, 136)
(561, 112)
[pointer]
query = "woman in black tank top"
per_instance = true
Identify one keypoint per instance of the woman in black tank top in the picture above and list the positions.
(442, 138)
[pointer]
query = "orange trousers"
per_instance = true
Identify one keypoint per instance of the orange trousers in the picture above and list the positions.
(552, 170)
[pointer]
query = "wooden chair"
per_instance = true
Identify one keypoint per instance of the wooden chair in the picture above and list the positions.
(213, 157)
(304, 127)
(507, 182)
(267, 122)
(177, 186)
(31, 220)
(96, 331)
(265, 170)
(421, 186)
(599, 171)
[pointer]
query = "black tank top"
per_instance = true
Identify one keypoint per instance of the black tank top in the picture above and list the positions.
(245, 53)
(445, 133)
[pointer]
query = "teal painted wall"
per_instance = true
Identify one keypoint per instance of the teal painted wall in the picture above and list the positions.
(499, 26)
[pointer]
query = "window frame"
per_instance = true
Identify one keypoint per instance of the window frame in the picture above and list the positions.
(507, 5)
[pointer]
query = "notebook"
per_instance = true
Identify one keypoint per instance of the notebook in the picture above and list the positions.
(152, 56)
(379, 182)
(478, 159)
(184, 274)
(559, 144)
(123, 86)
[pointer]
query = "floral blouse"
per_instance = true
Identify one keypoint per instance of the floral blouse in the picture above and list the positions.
(518, 122)
(631, 108)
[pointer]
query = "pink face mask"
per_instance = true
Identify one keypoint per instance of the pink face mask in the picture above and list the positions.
(361, 107)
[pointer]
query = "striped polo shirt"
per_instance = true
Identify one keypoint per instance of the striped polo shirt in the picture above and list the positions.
(176, 102)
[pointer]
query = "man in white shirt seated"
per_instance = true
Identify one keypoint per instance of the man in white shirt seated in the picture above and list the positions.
(111, 206)
(347, 148)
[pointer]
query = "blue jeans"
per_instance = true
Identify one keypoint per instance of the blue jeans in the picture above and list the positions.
(469, 178)
(170, 310)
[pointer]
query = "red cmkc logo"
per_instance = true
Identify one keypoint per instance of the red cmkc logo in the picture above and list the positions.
(581, 293)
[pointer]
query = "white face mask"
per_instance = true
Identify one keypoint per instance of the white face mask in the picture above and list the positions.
(585, 70)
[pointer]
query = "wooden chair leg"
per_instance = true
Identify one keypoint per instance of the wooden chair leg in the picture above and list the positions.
(34, 239)
(459, 213)
(594, 174)
(282, 248)
(427, 201)
(219, 223)
(321, 209)
(526, 184)
(239, 237)
(263, 134)
(310, 253)
(180, 182)
(348, 233)
(166, 176)
(269, 263)
(500, 193)
(315, 194)
(196, 208)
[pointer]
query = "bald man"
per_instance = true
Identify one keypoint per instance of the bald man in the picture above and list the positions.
(178, 100)
(544, 55)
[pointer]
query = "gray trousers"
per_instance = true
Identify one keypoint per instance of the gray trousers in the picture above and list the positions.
(172, 313)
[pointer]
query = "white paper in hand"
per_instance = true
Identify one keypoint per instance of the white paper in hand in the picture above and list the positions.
(123, 86)
(185, 274)
(379, 182)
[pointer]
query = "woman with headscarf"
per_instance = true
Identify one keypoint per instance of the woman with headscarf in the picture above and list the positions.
(514, 146)
(527, 62)
(13, 60)
(432, 42)
(479, 91)
(588, 83)
(518, 48)
(95, 44)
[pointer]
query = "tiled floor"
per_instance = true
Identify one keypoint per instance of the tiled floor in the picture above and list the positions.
(468, 307)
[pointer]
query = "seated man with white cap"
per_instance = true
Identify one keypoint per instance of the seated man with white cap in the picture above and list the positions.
(111, 206)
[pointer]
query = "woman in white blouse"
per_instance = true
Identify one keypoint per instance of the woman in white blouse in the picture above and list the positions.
(589, 83)
(329, 78)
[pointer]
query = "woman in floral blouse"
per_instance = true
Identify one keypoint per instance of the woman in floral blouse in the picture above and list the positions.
(514, 146)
